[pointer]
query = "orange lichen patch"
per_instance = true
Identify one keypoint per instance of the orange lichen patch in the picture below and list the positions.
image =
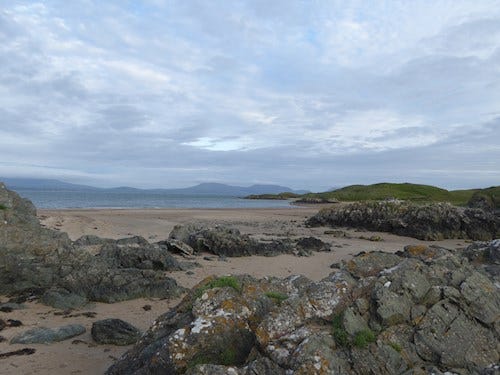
(262, 336)
(228, 305)
(416, 250)
(351, 266)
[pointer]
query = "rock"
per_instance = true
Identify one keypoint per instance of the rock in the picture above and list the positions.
(370, 264)
(35, 259)
(115, 332)
(335, 233)
(47, 335)
(10, 306)
(481, 297)
(136, 252)
(481, 201)
(62, 299)
(226, 241)
(176, 246)
(410, 312)
(353, 322)
(392, 308)
(434, 221)
(310, 244)
(448, 338)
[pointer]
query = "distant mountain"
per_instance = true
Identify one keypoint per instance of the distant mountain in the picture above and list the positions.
(201, 189)
(44, 184)
(237, 191)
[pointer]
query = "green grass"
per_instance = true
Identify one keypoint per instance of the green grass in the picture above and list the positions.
(3, 207)
(396, 346)
(220, 282)
(228, 357)
(403, 191)
(277, 296)
(339, 333)
(363, 338)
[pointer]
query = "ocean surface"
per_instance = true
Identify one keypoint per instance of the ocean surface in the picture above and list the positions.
(55, 199)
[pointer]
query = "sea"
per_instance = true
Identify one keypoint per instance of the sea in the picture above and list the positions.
(59, 199)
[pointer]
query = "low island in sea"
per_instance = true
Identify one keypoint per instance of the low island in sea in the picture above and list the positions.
(391, 279)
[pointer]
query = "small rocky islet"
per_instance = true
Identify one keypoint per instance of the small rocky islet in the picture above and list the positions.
(425, 309)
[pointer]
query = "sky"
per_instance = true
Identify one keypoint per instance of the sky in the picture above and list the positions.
(308, 94)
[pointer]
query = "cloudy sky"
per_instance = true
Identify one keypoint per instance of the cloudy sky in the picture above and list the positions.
(309, 94)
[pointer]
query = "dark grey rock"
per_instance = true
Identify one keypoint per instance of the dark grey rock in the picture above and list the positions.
(63, 299)
(115, 332)
(33, 258)
(427, 222)
(230, 242)
(392, 308)
(446, 336)
(47, 335)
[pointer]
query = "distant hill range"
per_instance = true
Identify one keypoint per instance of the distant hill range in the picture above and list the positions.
(200, 189)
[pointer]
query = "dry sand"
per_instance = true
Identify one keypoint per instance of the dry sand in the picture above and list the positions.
(84, 357)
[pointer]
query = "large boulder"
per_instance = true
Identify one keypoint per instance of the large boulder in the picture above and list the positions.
(115, 332)
(42, 335)
(434, 221)
(424, 309)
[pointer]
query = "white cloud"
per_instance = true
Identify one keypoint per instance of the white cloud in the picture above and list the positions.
(249, 91)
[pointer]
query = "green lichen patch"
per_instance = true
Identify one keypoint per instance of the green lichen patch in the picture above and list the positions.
(276, 296)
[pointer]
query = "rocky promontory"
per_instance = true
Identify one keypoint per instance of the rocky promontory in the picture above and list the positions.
(423, 310)
(434, 221)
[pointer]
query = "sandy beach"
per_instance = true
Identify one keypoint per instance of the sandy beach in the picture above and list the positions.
(82, 356)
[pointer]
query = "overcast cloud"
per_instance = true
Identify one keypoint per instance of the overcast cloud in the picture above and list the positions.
(309, 94)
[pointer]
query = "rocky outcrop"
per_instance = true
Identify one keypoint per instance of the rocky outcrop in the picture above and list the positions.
(422, 310)
(68, 273)
(435, 221)
(230, 242)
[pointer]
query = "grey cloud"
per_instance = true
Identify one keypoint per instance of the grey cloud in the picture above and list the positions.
(97, 89)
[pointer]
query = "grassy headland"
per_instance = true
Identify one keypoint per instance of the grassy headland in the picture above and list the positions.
(404, 191)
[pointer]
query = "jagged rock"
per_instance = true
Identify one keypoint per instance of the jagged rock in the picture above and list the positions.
(411, 312)
(176, 246)
(482, 298)
(447, 337)
(427, 222)
(392, 308)
(44, 335)
(137, 252)
(114, 332)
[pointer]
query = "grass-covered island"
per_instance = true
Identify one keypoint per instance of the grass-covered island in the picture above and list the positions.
(403, 191)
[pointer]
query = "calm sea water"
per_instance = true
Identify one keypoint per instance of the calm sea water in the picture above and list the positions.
(107, 199)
